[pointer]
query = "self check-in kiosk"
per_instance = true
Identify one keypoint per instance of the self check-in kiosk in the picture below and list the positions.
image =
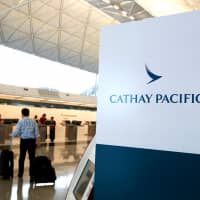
(82, 184)
(6, 128)
(71, 130)
(92, 129)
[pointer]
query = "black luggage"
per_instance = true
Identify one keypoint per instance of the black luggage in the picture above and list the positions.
(43, 172)
(6, 164)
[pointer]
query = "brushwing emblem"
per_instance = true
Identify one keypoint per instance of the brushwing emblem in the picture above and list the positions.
(153, 76)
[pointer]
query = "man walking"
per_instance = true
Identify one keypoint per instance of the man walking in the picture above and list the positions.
(27, 130)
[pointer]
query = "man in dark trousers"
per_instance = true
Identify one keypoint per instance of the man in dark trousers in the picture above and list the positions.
(52, 129)
(27, 130)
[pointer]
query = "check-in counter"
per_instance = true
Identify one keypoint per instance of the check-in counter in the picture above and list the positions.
(71, 133)
(5, 131)
(6, 128)
(91, 130)
(2, 135)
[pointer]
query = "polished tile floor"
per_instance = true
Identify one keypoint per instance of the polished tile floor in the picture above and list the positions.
(64, 157)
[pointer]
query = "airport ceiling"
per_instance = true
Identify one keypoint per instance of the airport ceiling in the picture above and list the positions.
(67, 31)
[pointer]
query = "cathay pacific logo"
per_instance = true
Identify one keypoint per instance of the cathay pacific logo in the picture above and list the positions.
(155, 98)
(153, 76)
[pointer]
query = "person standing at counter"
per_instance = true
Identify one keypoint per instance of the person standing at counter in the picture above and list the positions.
(52, 129)
(27, 130)
(43, 128)
(43, 119)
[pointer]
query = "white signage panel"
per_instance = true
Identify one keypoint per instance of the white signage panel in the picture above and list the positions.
(149, 84)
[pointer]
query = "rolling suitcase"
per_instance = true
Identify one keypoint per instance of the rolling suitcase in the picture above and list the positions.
(43, 170)
(7, 162)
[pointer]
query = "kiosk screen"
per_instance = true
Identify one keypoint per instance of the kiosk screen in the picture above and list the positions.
(84, 180)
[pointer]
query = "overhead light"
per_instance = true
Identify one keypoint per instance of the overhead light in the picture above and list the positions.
(72, 102)
(90, 105)
(131, 17)
(20, 1)
(116, 7)
(124, 13)
(44, 184)
(195, 4)
(107, 1)
(60, 101)
(168, 7)
(42, 99)
(29, 98)
(54, 100)
(9, 95)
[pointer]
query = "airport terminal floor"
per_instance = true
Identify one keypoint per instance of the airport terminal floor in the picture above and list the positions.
(64, 158)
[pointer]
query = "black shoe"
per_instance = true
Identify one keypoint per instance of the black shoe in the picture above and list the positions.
(32, 180)
(20, 176)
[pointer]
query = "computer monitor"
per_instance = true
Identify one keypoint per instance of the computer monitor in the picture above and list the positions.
(10, 121)
(77, 123)
(48, 122)
(82, 183)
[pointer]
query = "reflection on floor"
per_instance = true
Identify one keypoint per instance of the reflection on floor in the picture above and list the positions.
(64, 158)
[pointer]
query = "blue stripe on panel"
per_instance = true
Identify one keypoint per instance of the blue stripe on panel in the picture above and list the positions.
(124, 173)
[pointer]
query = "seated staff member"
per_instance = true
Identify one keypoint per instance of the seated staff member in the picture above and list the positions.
(27, 130)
